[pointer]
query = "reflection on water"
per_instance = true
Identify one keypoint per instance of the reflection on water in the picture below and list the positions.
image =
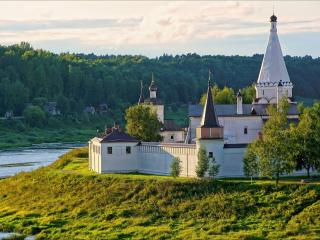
(28, 159)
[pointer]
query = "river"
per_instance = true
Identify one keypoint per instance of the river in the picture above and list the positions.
(28, 159)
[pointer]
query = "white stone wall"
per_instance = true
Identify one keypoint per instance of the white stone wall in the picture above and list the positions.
(160, 112)
(156, 158)
(232, 164)
(95, 155)
(119, 160)
(269, 94)
(234, 128)
(178, 136)
(194, 122)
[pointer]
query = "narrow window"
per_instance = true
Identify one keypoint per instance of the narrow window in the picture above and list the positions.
(109, 150)
(210, 154)
(128, 150)
(245, 130)
(171, 137)
(263, 92)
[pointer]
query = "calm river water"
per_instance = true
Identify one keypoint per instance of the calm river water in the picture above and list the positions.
(28, 159)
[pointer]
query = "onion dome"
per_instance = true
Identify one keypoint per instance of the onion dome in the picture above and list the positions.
(273, 18)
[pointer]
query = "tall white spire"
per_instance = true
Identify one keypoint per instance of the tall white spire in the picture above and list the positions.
(273, 68)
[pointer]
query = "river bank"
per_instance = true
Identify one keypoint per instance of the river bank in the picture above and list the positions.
(66, 201)
(27, 159)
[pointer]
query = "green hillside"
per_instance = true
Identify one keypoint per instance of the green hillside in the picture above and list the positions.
(74, 81)
(66, 201)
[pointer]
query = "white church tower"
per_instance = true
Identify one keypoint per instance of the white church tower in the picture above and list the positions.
(273, 81)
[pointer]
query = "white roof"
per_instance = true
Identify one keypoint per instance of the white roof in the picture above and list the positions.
(273, 68)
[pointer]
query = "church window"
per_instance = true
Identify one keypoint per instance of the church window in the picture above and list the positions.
(128, 150)
(210, 154)
(263, 92)
(171, 137)
(109, 150)
(245, 130)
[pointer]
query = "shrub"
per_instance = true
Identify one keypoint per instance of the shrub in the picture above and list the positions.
(203, 162)
(175, 167)
(34, 116)
(213, 168)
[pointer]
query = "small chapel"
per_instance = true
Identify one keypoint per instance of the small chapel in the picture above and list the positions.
(224, 130)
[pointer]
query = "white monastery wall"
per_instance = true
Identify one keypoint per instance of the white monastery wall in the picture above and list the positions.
(239, 129)
(119, 160)
(173, 136)
(232, 165)
(156, 159)
(234, 128)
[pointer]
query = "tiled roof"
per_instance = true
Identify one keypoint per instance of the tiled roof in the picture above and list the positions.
(118, 136)
(170, 125)
(231, 109)
(209, 117)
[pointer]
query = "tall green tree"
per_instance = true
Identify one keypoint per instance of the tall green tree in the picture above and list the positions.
(249, 94)
(203, 162)
(34, 116)
(250, 162)
(175, 167)
(272, 149)
(142, 123)
(305, 138)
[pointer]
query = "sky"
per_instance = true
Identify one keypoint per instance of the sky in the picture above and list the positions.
(154, 28)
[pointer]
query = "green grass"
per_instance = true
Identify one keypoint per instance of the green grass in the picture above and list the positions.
(67, 201)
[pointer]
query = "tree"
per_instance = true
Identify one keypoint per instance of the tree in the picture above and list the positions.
(250, 162)
(34, 116)
(213, 168)
(221, 96)
(203, 162)
(249, 93)
(272, 149)
(175, 167)
(142, 123)
(306, 140)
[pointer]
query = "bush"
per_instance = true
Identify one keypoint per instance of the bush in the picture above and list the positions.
(213, 168)
(175, 167)
(34, 116)
(203, 162)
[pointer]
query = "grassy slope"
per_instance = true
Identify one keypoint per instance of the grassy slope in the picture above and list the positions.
(66, 201)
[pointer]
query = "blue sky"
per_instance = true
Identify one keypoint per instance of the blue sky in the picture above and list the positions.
(154, 28)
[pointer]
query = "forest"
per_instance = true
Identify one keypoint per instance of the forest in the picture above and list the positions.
(74, 81)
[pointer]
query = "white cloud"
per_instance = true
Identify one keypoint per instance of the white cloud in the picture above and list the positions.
(112, 25)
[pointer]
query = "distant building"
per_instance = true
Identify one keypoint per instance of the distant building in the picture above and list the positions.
(171, 132)
(51, 108)
(223, 129)
(89, 110)
(102, 108)
(153, 100)
(8, 114)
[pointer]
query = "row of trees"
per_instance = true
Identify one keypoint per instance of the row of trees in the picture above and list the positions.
(285, 146)
(77, 80)
(227, 95)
